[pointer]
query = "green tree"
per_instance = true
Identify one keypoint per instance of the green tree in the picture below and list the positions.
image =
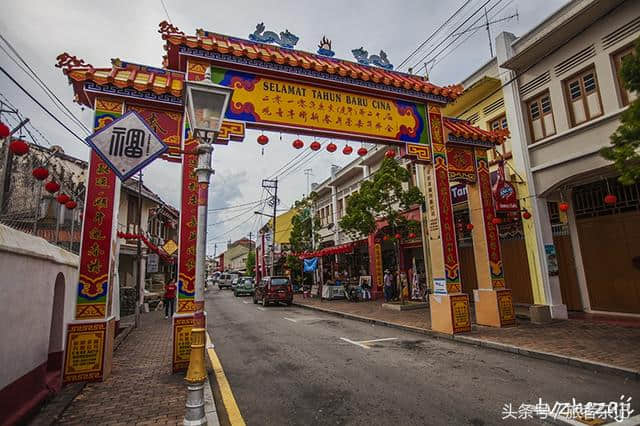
(624, 150)
(383, 198)
(250, 263)
(304, 228)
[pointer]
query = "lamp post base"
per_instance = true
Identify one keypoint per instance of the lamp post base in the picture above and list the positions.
(195, 405)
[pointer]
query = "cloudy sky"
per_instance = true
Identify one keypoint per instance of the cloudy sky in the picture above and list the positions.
(99, 31)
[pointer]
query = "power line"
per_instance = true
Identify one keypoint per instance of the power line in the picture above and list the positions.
(166, 11)
(433, 34)
(34, 76)
(527, 68)
(449, 35)
(26, 92)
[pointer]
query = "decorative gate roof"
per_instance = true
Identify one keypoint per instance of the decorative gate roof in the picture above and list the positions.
(464, 129)
(266, 53)
(122, 79)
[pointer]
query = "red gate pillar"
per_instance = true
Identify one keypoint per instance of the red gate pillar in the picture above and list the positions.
(493, 302)
(89, 341)
(375, 266)
(449, 307)
(183, 318)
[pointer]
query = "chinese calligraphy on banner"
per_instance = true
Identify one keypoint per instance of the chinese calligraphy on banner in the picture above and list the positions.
(188, 229)
(97, 228)
(269, 102)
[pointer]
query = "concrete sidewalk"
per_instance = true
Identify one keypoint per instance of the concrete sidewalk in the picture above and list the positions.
(605, 346)
(141, 389)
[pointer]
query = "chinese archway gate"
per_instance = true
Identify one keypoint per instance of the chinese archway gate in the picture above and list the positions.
(288, 91)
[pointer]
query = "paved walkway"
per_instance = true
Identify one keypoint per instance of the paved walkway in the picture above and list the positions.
(141, 389)
(612, 343)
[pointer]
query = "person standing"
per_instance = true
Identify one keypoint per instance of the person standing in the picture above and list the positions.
(388, 286)
(169, 297)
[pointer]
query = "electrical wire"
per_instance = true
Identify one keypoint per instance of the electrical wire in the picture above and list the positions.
(433, 34)
(26, 92)
(34, 76)
(450, 34)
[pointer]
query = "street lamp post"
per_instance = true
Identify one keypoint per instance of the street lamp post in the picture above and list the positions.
(206, 106)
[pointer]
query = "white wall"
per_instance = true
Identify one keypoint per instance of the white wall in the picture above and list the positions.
(29, 268)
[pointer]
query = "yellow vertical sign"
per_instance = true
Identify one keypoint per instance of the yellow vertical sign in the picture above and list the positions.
(378, 260)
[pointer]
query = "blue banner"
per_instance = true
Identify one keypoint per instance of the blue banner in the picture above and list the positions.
(310, 265)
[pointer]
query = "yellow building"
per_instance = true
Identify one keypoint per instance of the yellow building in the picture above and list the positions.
(482, 104)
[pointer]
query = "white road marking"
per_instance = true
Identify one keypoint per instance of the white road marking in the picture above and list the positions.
(246, 302)
(378, 340)
(354, 343)
(261, 309)
(363, 343)
(302, 319)
(290, 319)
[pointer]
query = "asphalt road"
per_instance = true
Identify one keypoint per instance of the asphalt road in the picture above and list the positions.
(289, 365)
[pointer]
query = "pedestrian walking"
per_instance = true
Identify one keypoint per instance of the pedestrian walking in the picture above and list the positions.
(388, 286)
(169, 298)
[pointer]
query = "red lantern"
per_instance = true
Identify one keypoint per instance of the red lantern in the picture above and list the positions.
(63, 198)
(332, 147)
(263, 140)
(386, 238)
(4, 131)
(391, 153)
(315, 145)
(563, 206)
(412, 235)
(496, 221)
(610, 199)
(19, 147)
(297, 144)
(362, 151)
(469, 226)
(40, 173)
(52, 187)
(398, 236)
(527, 215)
(347, 150)
(71, 204)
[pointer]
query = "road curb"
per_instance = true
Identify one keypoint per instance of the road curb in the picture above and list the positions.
(531, 353)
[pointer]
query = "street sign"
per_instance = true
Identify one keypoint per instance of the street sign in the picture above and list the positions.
(152, 263)
(127, 144)
(170, 247)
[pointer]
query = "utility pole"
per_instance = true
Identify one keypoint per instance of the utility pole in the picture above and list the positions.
(487, 25)
(272, 184)
(308, 172)
(139, 251)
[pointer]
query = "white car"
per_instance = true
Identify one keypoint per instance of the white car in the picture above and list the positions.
(226, 279)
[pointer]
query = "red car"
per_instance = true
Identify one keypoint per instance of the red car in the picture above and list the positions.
(273, 290)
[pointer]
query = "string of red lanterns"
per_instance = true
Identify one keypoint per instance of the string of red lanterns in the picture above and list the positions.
(331, 147)
(154, 248)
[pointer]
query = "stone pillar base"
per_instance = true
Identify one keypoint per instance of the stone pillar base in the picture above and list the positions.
(450, 313)
(494, 307)
(89, 350)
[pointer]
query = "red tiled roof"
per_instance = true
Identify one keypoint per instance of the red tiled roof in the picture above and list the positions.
(296, 58)
(463, 128)
(122, 75)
